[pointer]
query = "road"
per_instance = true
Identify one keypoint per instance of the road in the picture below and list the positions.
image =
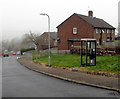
(0, 77)
(18, 81)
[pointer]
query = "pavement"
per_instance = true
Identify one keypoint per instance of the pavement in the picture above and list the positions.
(110, 83)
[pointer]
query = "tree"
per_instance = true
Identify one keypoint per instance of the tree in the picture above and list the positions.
(5, 44)
(31, 39)
(12, 45)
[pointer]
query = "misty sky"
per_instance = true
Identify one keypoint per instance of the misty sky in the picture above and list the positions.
(119, 12)
(18, 17)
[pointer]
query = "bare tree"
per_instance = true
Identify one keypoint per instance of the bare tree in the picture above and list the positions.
(31, 39)
(25, 42)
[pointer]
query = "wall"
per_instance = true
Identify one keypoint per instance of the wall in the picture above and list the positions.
(65, 31)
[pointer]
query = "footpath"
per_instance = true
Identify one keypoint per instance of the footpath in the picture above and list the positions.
(111, 83)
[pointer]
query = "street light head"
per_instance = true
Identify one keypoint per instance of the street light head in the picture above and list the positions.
(42, 14)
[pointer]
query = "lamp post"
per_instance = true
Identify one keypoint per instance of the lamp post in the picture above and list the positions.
(48, 36)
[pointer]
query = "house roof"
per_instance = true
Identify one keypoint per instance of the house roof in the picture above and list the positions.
(53, 35)
(95, 22)
(43, 38)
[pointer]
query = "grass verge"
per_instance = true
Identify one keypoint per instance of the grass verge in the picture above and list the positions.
(104, 63)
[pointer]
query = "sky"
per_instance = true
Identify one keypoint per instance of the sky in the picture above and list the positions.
(18, 17)
(119, 13)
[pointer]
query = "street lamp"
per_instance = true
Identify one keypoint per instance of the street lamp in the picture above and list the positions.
(48, 36)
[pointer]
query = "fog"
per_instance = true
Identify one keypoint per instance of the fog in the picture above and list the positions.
(119, 17)
(18, 17)
(119, 12)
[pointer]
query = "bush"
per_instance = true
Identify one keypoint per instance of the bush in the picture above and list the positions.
(25, 50)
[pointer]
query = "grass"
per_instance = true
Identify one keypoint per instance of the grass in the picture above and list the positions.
(61, 60)
(104, 63)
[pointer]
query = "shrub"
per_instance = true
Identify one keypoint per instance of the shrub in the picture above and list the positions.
(25, 50)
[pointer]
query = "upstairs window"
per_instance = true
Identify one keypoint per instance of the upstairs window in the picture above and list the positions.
(74, 30)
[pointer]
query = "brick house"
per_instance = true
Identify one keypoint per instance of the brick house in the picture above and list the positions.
(79, 26)
(43, 40)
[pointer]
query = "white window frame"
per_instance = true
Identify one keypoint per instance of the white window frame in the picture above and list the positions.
(74, 30)
(103, 31)
(107, 30)
(97, 31)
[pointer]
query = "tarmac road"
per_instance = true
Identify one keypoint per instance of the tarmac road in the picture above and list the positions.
(18, 81)
(0, 77)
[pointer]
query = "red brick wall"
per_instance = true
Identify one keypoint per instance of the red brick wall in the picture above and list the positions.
(43, 42)
(65, 31)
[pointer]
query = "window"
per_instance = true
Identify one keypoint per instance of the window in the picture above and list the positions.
(107, 30)
(108, 38)
(113, 31)
(103, 31)
(74, 30)
(97, 31)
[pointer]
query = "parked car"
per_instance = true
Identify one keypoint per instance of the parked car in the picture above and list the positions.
(13, 53)
(5, 53)
(0, 54)
(18, 53)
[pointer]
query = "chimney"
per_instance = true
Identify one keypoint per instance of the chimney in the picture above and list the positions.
(90, 13)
